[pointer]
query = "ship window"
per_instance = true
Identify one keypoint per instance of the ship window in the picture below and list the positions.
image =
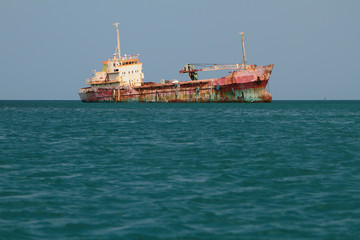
(116, 70)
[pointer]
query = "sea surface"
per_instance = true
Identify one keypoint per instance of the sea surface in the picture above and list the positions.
(280, 170)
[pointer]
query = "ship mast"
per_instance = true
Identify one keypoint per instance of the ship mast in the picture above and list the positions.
(243, 48)
(118, 39)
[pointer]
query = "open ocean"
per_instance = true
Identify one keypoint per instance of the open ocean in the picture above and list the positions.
(280, 170)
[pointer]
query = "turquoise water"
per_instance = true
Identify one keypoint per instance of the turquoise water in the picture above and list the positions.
(284, 170)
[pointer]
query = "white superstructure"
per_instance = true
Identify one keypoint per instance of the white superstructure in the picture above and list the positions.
(119, 70)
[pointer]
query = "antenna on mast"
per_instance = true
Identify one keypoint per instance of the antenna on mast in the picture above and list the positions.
(243, 48)
(118, 39)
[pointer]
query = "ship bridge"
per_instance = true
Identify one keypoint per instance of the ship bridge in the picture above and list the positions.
(118, 71)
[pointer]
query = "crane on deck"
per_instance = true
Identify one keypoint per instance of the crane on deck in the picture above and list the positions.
(192, 71)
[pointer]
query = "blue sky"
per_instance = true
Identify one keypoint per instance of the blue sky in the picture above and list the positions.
(49, 48)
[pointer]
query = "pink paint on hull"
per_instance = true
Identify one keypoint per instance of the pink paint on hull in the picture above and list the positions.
(239, 86)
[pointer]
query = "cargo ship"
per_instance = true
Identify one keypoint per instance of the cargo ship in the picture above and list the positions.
(121, 80)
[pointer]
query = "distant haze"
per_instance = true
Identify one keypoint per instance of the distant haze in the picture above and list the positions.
(49, 48)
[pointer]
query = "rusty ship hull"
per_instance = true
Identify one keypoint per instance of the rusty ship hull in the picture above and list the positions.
(239, 86)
